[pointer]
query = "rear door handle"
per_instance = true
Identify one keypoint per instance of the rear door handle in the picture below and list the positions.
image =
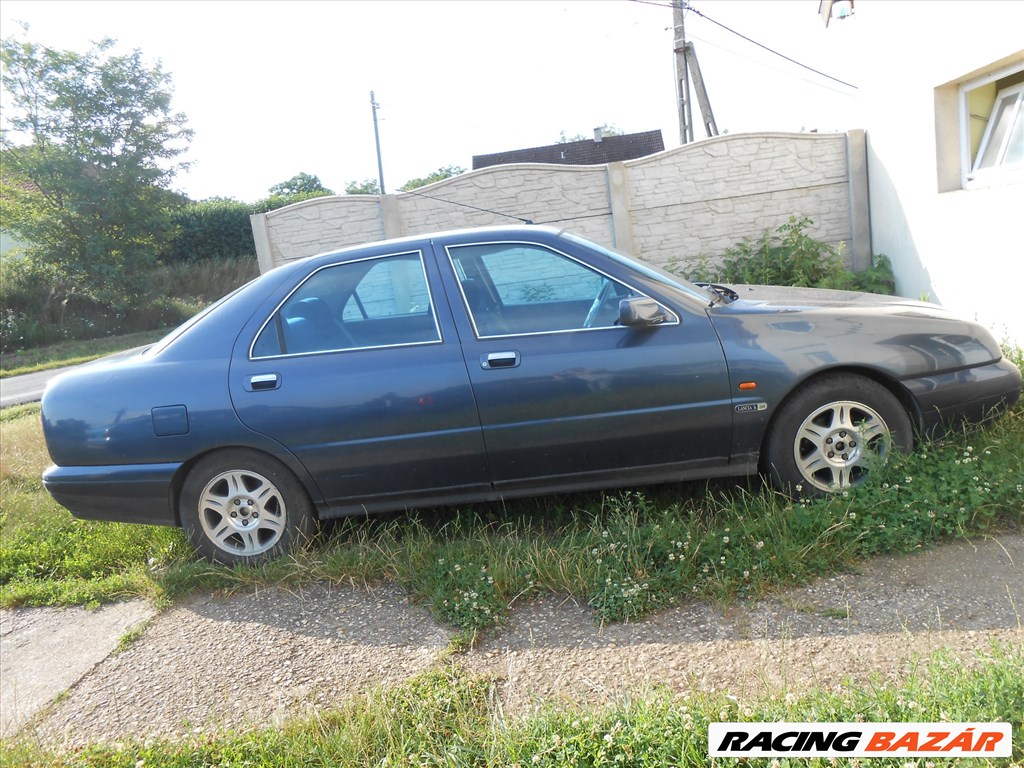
(262, 381)
(500, 360)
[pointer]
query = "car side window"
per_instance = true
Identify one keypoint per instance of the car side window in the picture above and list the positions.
(376, 302)
(516, 288)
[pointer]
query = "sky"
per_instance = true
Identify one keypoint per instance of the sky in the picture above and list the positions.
(274, 88)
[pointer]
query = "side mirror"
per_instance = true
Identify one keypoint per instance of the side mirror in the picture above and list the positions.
(640, 312)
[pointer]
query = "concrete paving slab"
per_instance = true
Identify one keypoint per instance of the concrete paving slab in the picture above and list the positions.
(45, 651)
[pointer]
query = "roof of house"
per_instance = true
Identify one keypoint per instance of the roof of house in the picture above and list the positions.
(608, 149)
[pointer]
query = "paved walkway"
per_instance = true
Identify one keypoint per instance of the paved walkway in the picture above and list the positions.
(46, 651)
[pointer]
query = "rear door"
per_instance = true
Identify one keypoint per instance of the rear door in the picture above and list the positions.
(566, 395)
(359, 373)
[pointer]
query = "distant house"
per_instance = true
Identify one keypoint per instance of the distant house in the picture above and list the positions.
(597, 151)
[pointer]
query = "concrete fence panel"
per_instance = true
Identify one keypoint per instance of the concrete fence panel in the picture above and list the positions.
(693, 201)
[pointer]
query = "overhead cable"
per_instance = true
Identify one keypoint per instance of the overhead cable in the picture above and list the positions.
(687, 7)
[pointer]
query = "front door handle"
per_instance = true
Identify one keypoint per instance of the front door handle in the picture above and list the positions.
(262, 381)
(500, 360)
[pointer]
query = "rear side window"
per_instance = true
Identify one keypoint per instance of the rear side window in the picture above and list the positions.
(377, 302)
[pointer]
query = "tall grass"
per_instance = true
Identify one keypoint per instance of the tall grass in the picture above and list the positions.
(626, 553)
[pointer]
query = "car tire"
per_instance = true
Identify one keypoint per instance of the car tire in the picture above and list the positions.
(242, 506)
(830, 433)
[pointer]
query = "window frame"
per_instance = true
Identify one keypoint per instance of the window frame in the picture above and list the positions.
(277, 309)
(969, 176)
(672, 319)
(1016, 92)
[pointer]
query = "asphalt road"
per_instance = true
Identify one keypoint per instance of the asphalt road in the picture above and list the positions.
(15, 390)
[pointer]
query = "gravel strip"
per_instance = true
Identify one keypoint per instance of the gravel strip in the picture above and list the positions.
(254, 660)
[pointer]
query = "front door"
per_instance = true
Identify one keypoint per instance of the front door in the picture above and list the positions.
(565, 393)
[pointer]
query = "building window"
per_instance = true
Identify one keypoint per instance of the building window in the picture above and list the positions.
(1003, 142)
(992, 128)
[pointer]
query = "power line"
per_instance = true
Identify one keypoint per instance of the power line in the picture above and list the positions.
(787, 73)
(687, 7)
(467, 205)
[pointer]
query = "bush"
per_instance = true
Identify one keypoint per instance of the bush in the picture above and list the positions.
(43, 307)
(209, 229)
(789, 256)
(219, 228)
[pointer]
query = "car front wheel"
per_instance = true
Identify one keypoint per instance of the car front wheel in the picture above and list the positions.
(240, 506)
(831, 433)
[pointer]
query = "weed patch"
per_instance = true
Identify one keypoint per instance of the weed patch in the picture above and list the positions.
(626, 554)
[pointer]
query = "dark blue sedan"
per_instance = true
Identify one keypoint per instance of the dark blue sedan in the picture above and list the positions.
(492, 363)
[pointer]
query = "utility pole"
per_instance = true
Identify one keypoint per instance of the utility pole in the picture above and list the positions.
(682, 74)
(376, 136)
(687, 69)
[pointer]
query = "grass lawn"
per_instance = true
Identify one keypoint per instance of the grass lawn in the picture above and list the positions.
(73, 352)
(625, 554)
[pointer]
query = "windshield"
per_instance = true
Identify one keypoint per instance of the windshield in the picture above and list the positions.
(650, 271)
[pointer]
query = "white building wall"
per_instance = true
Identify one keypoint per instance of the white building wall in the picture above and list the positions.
(963, 248)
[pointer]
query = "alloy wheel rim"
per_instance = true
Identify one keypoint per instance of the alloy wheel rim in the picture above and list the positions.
(837, 443)
(242, 512)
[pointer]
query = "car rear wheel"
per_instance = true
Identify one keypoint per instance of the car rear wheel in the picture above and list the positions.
(241, 506)
(832, 432)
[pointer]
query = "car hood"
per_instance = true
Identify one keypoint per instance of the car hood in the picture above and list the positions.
(807, 328)
(780, 297)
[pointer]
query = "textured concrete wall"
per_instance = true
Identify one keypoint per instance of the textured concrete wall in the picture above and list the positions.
(704, 197)
(694, 201)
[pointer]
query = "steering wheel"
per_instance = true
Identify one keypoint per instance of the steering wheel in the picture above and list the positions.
(599, 300)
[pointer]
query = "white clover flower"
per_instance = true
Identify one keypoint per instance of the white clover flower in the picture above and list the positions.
(725, 539)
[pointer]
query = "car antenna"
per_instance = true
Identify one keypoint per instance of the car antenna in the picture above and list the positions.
(467, 205)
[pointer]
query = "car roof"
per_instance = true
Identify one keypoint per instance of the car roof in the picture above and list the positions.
(514, 232)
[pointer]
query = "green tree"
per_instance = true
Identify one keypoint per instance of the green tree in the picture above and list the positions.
(445, 172)
(365, 187)
(300, 184)
(89, 149)
(608, 129)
